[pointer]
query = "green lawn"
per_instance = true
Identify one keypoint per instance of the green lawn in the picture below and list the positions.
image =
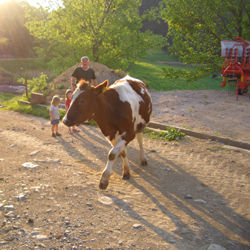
(150, 71)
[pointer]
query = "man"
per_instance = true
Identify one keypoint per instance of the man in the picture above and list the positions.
(84, 72)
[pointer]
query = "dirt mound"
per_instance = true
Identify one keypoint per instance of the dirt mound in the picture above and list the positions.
(102, 73)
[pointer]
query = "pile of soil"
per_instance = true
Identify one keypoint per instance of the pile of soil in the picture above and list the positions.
(102, 73)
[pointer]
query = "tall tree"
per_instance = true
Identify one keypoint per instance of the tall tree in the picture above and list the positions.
(15, 38)
(198, 26)
(108, 31)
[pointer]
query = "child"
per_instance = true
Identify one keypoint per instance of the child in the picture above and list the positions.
(68, 98)
(54, 115)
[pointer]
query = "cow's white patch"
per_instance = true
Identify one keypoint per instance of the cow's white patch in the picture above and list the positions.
(127, 94)
(116, 139)
(142, 91)
(128, 77)
(76, 93)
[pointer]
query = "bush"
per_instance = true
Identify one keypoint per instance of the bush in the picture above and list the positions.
(37, 84)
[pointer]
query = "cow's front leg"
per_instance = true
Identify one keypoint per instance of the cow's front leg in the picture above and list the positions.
(126, 168)
(113, 153)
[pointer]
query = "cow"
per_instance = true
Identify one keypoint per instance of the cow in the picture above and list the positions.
(121, 111)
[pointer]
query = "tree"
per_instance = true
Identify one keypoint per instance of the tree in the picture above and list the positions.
(197, 28)
(108, 31)
(15, 38)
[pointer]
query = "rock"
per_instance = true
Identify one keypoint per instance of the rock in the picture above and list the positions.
(21, 197)
(127, 202)
(23, 231)
(37, 98)
(200, 201)
(30, 221)
(41, 237)
(215, 247)
(35, 233)
(41, 245)
(137, 226)
(9, 215)
(29, 165)
(10, 207)
(48, 211)
(188, 196)
(105, 200)
(42, 161)
(34, 153)
(55, 160)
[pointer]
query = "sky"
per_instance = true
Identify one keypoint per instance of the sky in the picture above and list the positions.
(43, 3)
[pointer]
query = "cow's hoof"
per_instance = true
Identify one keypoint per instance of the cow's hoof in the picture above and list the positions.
(103, 186)
(144, 163)
(125, 176)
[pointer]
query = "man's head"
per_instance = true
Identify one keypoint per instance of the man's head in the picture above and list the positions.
(85, 62)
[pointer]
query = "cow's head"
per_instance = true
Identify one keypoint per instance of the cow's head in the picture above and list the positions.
(83, 103)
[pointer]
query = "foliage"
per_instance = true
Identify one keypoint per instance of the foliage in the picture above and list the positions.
(170, 135)
(108, 31)
(174, 134)
(37, 84)
(62, 86)
(15, 39)
(24, 64)
(197, 28)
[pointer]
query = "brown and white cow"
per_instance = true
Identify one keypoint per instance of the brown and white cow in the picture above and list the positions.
(121, 111)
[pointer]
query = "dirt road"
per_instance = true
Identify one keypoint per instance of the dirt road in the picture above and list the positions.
(192, 194)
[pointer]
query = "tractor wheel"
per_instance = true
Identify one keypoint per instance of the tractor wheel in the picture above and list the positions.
(240, 91)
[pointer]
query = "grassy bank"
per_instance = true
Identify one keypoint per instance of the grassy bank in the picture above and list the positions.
(10, 102)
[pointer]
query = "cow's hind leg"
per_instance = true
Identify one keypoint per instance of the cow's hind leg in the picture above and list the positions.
(143, 158)
(113, 153)
(126, 168)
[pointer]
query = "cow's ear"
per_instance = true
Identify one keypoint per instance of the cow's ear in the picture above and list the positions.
(102, 87)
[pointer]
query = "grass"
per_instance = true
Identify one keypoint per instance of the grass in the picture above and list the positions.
(10, 102)
(150, 71)
(171, 134)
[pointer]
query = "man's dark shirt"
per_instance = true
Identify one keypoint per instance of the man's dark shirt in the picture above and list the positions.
(79, 73)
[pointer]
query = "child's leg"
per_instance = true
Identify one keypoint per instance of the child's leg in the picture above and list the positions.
(70, 131)
(53, 129)
(75, 130)
(56, 128)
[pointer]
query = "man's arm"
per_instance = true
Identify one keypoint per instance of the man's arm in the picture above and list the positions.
(95, 82)
(73, 80)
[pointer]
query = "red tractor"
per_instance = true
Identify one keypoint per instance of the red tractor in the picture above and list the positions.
(236, 65)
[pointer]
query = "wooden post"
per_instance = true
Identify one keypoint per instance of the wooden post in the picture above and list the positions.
(26, 87)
